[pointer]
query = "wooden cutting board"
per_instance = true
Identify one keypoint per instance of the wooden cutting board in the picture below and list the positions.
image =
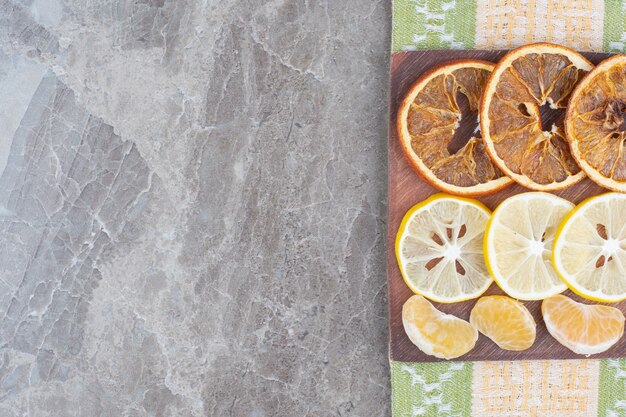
(407, 189)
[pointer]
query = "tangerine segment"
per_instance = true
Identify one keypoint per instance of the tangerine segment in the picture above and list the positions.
(529, 150)
(428, 118)
(505, 321)
(435, 333)
(582, 328)
(595, 124)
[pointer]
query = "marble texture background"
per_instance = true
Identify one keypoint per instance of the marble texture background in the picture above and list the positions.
(192, 208)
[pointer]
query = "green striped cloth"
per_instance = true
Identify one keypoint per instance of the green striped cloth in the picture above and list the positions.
(497, 24)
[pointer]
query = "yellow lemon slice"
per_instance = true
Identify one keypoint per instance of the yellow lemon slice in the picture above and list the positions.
(518, 244)
(439, 248)
(590, 248)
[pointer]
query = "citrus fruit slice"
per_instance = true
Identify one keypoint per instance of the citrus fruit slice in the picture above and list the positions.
(439, 248)
(518, 244)
(527, 82)
(590, 248)
(428, 118)
(505, 321)
(595, 124)
(582, 328)
(436, 333)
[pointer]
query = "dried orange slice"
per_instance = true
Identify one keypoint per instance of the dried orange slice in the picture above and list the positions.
(596, 124)
(584, 329)
(505, 321)
(436, 333)
(428, 118)
(527, 82)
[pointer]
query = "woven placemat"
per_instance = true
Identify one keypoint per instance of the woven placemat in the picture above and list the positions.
(568, 388)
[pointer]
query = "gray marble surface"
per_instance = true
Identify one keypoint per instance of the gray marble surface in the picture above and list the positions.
(192, 208)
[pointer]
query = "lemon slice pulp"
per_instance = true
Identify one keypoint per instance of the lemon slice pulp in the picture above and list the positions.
(590, 248)
(439, 248)
(518, 244)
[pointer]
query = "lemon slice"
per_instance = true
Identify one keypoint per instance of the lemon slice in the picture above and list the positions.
(590, 248)
(518, 244)
(439, 248)
(435, 333)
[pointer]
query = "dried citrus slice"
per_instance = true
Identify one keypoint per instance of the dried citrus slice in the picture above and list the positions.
(436, 333)
(595, 124)
(428, 119)
(582, 328)
(505, 321)
(518, 244)
(590, 248)
(530, 149)
(439, 248)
